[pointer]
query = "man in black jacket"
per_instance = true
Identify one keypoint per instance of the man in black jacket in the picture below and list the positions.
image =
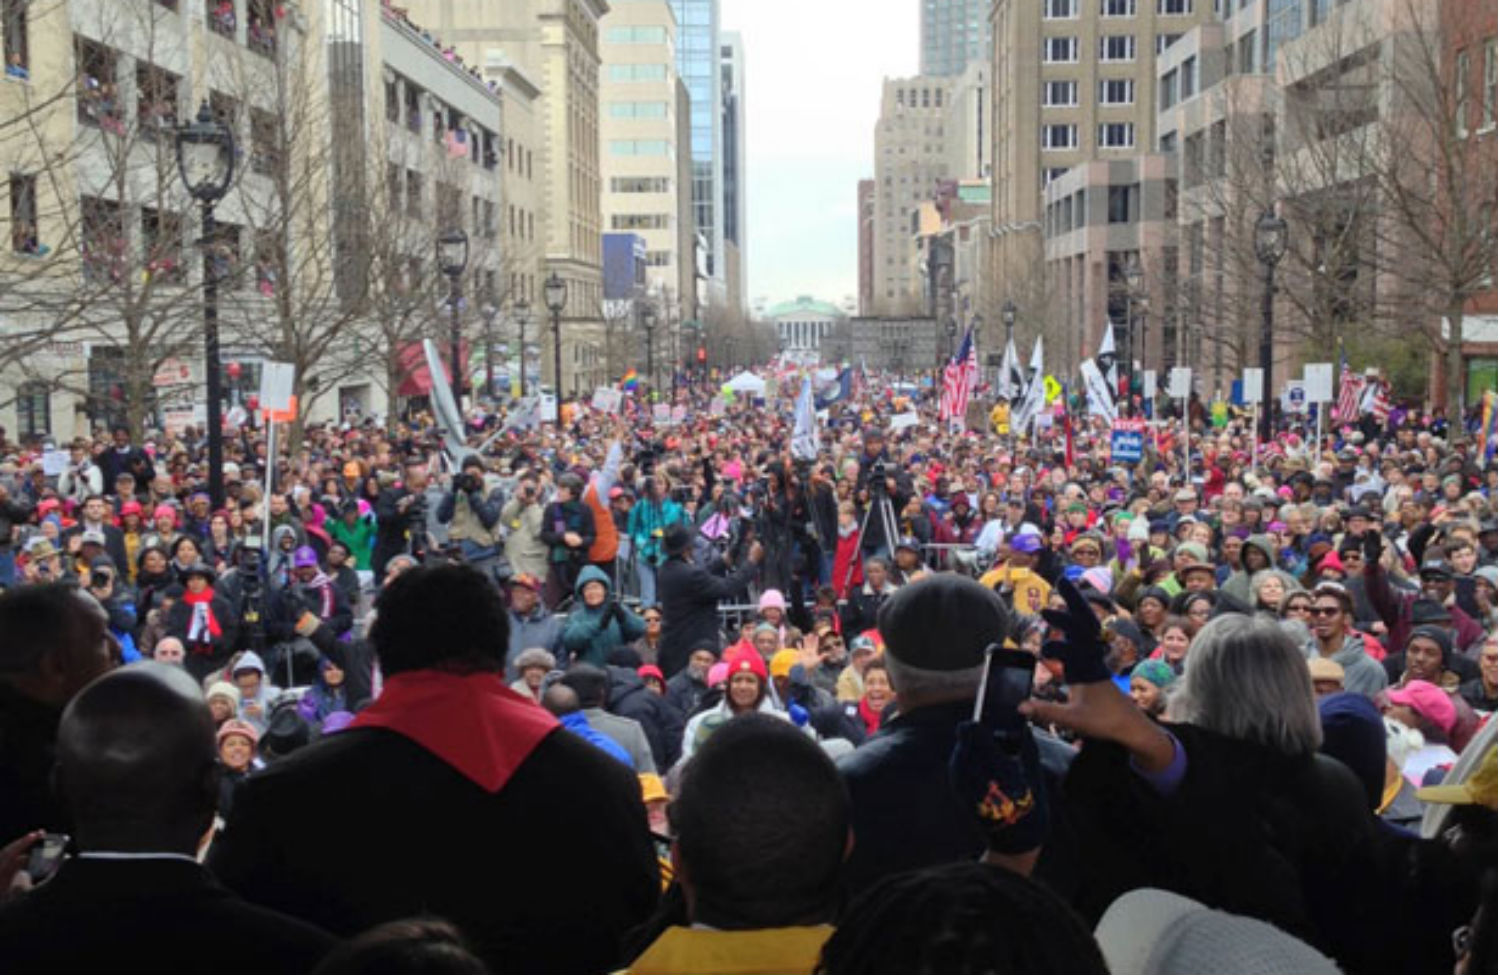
(137, 767)
(439, 790)
(689, 596)
(400, 528)
(125, 458)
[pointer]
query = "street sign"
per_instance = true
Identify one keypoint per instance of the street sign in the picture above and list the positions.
(1294, 397)
(1127, 440)
(607, 399)
(1251, 389)
(1317, 381)
(276, 386)
(1180, 382)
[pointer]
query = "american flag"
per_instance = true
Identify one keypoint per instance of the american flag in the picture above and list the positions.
(1351, 387)
(1377, 399)
(457, 141)
(959, 379)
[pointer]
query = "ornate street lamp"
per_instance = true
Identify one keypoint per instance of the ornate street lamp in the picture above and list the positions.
(205, 160)
(452, 258)
(1270, 248)
(555, 294)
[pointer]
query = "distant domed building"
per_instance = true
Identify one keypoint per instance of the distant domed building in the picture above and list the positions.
(802, 325)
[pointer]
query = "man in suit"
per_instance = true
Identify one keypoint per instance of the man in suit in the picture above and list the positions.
(451, 795)
(96, 514)
(136, 767)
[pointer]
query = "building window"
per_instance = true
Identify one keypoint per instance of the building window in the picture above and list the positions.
(1117, 91)
(221, 17)
(640, 221)
(1189, 77)
(1060, 50)
(161, 241)
(637, 109)
(637, 72)
(1164, 41)
(17, 42)
(636, 35)
(261, 34)
(1117, 47)
(1124, 203)
(1117, 135)
(34, 409)
(1059, 137)
(1461, 94)
(98, 93)
(1059, 94)
(1167, 87)
(265, 139)
(1117, 8)
(1487, 115)
(640, 184)
(24, 238)
(1174, 8)
(103, 241)
(639, 147)
(1060, 10)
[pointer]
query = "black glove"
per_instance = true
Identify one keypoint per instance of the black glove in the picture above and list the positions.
(1372, 546)
(997, 776)
(1084, 643)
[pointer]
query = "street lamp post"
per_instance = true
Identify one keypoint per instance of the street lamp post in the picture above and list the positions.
(453, 257)
(1135, 279)
(952, 335)
(648, 323)
(205, 160)
(489, 349)
(555, 294)
(1270, 248)
(522, 312)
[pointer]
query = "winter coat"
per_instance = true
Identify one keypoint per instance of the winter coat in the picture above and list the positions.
(1238, 584)
(210, 653)
(1395, 611)
(689, 596)
(705, 723)
(648, 520)
(359, 539)
(591, 634)
(659, 719)
(524, 548)
(560, 518)
(539, 629)
(847, 556)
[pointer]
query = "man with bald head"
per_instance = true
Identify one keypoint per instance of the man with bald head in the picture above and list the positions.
(136, 769)
(54, 639)
(169, 650)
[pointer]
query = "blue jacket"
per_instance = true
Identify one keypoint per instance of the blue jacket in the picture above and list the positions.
(591, 635)
(648, 521)
(578, 723)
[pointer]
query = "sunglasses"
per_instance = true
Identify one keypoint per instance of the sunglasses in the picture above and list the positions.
(1325, 611)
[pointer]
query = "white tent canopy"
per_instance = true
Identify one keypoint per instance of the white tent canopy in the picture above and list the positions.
(747, 382)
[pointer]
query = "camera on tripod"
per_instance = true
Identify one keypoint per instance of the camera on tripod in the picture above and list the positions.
(466, 484)
(878, 474)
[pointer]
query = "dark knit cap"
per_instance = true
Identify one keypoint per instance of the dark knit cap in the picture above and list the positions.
(1437, 635)
(942, 622)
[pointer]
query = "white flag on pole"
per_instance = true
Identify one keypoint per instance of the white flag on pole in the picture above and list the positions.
(805, 430)
(1106, 359)
(1009, 386)
(1101, 403)
(1035, 396)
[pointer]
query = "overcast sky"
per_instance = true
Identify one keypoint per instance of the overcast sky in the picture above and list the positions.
(812, 95)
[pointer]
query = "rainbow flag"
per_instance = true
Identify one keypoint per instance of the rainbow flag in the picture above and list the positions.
(1487, 422)
(630, 381)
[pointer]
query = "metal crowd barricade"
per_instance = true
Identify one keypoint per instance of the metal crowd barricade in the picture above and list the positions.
(950, 556)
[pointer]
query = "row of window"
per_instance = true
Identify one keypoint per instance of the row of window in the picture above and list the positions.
(637, 72)
(1064, 94)
(637, 109)
(1113, 48)
(640, 221)
(1109, 135)
(640, 147)
(640, 184)
(1463, 99)
(1068, 9)
(635, 35)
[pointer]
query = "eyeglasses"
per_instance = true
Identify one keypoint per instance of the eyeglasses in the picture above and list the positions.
(1326, 610)
(1299, 608)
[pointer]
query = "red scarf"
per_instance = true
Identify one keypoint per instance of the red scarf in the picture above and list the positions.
(869, 716)
(473, 722)
(206, 600)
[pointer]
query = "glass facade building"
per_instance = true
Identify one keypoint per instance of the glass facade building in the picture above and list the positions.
(954, 32)
(698, 66)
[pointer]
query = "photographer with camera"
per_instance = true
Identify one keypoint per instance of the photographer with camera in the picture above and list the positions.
(521, 521)
(473, 517)
(401, 517)
(568, 531)
(118, 600)
(82, 477)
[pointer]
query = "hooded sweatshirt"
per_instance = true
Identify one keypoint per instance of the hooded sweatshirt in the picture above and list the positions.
(592, 634)
(1362, 675)
(255, 710)
(1238, 584)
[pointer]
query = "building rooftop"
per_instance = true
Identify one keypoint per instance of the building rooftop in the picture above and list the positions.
(804, 305)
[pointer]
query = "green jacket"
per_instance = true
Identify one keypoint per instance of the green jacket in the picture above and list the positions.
(360, 539)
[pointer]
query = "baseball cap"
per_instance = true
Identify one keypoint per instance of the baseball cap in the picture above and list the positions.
(1435, 567)
(1185, 494)
(943, 622)
(1025, 543)
(92, 537)
(526, 580)
(782, 662)
(1321, 668)
(1429, 701)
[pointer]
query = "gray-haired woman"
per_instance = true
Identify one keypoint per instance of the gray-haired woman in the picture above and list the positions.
(1230, 802)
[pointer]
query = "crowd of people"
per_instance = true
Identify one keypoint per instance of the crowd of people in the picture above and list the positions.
(617, 693)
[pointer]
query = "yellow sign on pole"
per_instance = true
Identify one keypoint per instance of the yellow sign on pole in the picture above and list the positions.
(1051, 388)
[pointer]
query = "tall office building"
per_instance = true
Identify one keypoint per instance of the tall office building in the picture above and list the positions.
(1074, 81)
(638, 95)
(911, 157)
(954, 33)
(698, 64)
(866, 207)
(732, 81)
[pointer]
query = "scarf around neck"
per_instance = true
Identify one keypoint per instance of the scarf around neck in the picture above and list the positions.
(204, 627)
